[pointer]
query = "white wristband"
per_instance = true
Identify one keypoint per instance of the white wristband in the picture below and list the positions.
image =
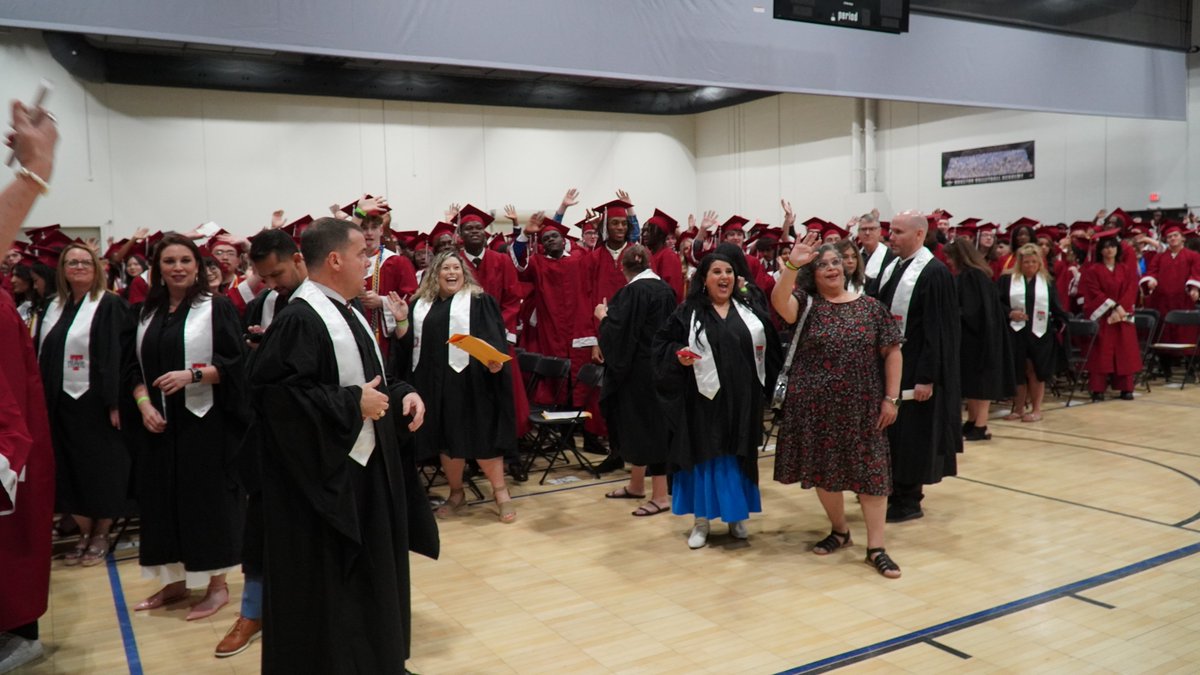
(43, 186)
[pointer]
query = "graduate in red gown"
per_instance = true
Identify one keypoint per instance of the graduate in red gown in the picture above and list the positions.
(497, 275)
(389, 272)
(541, 260)
(26, 453)
(1172, 281)
(1109, 289)
(664, 260)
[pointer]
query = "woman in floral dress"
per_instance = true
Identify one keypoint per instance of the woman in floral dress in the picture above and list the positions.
(843, 393)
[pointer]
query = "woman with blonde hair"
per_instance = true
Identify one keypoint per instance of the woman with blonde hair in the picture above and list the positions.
(468, 404)
(80, 345)
(1032, 307)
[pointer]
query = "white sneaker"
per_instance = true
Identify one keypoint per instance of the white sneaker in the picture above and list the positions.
(699, 536)
(738, 530)
(19, 651)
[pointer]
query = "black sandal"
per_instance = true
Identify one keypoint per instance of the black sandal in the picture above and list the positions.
(882, 562)
(833, 542)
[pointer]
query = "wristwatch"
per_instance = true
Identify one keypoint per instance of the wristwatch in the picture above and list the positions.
(197, 374)
(895, 401)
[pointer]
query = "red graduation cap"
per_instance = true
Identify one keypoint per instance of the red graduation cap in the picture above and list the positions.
(1051, 232)
(969, 221)
(965, 231)
(37, 234)
(297, 227)
(497, 242)
(53, 239)
(941, 214)
(20, 246)
(469, 213)
(885, 227)
(988, 227)
(440, 229)
(349, 208)
(1120, 214)
(587, 224)
(663, 222)
(690, 233)
(48, 256)
(734, 224)
(406, 238)
(775, 233)
(831, 228)
(112, 250)
(1173, 226)
(420, 242)
(617, 208)
(1022, 221)
(815, 224)
(551, 225)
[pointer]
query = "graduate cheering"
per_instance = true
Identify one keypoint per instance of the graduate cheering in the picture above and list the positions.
(714, 403)
(470, 402)
(341, 503)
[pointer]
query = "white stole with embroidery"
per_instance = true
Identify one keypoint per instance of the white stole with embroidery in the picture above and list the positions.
(708, 380)
(77, 355)
(345, 352)
(198, 335)
(907, 284)
(1041, 303)
(460, 324)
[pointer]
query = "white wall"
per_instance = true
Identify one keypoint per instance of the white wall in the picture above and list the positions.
(747, 158)
(175, 158)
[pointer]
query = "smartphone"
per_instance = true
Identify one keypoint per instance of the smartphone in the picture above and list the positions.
(688, 354)
(39, 100)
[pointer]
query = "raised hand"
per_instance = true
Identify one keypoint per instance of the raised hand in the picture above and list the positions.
(804, 250)
(623, 196)
(397, 305)
(93, 243)
(601, 311)
(709, 221)
(535, 222)
(570, 199)
(510, 212)
(277, 220)
(372, 205)
(789, 216)
(140, 233)
(452, 212)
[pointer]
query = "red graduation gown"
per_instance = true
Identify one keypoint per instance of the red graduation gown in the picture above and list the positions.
(25, 445)
(666, 264)
(388, 272)
(1116, 348)
(602, 278)
(497, 274)
(1174, 274)
(554, 302)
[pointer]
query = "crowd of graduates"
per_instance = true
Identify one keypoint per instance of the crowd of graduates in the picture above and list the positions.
(686, 320)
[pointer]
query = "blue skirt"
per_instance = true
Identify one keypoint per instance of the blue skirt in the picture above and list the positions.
(715, 489)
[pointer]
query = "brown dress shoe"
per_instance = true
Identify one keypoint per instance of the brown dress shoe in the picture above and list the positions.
(243, 632)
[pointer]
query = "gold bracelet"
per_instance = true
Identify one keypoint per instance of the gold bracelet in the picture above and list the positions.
(43, 186)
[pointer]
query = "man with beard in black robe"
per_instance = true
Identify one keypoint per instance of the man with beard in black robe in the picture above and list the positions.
(341, 501)
(919, 290)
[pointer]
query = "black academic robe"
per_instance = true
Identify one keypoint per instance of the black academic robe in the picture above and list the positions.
(986, 351)
(627, 398)
(94, 463)
(871, 287)
(250, 455)
(928, 434)
(468, 415)
(1042, 352)
(700, 429)
(186, 478)
(336, 595)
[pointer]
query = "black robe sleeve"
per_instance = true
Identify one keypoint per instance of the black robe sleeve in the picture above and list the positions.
(112, 332)
(307, 423)
(618, 336)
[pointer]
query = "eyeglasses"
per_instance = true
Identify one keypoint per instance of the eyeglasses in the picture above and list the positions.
(78, 263)
(826, 264)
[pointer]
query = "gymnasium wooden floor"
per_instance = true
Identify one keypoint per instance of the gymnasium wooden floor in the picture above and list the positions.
(1066, 546)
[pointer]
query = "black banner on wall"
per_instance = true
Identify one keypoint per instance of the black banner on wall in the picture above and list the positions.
(993, 164)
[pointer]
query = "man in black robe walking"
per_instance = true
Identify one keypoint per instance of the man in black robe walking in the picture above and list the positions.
(341, 502)
(919, 290)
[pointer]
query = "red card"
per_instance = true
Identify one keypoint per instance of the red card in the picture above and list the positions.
(689, 354)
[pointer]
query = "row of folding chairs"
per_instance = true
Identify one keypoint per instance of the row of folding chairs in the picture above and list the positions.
(553, 428)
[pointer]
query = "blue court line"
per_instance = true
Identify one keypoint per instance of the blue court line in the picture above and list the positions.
(955, 625)
(131, 650)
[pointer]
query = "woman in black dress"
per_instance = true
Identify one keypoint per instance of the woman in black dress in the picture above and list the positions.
(188, 387)
(986, 362)
(1033, 313)
(714, 403)
(468, 404)
(80, 346)
(843, 394)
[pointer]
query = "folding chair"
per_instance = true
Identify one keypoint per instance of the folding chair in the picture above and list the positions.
(1081, 337)
(1146, 323)
(1187, 350)
(555, 430)
(527, 362)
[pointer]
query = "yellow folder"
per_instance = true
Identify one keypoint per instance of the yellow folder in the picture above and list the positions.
(478, 348)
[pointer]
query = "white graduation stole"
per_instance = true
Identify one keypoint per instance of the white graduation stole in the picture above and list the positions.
(77, 355)
(460, 324)
(875, 262)
(245, 291)
(198, 335)
(708, 380)
(1041, 303)
(268, 310)
(906, 286)
(345, 352)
